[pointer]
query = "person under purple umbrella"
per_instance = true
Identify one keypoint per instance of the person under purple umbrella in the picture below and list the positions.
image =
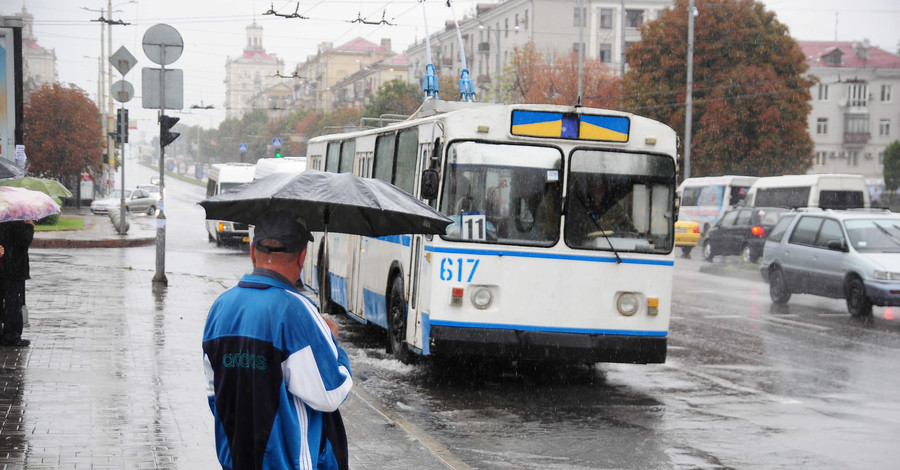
(15, 238)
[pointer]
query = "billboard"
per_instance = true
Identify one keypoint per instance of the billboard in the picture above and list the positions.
(7, 95)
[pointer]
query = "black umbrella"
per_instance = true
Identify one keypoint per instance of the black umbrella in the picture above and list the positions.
(9, 170)
(325, 201)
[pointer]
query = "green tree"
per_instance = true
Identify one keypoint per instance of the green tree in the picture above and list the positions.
(750, 98)
(395, 97)
(63, 135)
(892, 166)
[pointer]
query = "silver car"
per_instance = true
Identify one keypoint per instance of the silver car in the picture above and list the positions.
(136, 200)
(850, 254)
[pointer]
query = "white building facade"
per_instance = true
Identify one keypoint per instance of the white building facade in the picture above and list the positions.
(605, 29)
(855, 108)
(249, 75)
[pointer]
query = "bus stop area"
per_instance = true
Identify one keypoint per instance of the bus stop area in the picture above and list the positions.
(113, 376)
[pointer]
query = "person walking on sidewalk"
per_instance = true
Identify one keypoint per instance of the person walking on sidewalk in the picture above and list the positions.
(274, 370)
(15, 238)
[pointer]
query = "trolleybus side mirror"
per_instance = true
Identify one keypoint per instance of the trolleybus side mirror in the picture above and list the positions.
(430, 179)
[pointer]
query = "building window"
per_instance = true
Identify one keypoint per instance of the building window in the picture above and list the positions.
(886, 93)
(580, 17)
(857, 124)
(822, 126)
(606, 18)
(853, 159)
(858, 94)
(606, 52)
(634, 18)
(881, 157)
(506, 28)
(884, 127)
(823, 92)
(821, 158)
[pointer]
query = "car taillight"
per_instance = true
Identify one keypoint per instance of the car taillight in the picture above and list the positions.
(696, 229)
(758, 231)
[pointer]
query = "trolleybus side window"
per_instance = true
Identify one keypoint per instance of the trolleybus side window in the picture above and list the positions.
(405, 168)
(384, 157)
(348, 151)
(333, 157)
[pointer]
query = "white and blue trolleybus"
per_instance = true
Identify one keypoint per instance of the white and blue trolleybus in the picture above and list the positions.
(538, 264)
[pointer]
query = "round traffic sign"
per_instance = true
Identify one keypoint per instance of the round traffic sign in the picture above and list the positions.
(162, 44)
(122, 91)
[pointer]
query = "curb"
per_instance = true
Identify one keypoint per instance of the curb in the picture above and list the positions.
(100, 243)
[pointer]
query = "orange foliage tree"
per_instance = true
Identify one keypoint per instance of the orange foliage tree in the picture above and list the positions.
(533, 78)
(750, 98)
(63, 135)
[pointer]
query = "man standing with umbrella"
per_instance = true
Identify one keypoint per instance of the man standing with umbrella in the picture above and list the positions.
(274, 369)
(15, 238)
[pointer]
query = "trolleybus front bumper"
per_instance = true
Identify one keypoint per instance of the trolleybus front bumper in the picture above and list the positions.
(548, 346)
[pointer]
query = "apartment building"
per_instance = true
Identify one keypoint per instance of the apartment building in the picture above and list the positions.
(315, 80)
(855, 113)
(605, 29)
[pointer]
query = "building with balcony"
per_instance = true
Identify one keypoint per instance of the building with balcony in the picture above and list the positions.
(490, 37)
(315, 80)
(854, 113)
(250, 74)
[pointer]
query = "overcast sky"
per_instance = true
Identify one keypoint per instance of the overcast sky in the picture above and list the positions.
(214, 30)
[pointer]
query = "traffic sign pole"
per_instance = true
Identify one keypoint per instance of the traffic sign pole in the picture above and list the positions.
(163, 45)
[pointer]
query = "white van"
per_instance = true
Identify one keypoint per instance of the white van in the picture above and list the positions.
(222, 177)
(704, 200)
(826, 191)
(267, 166)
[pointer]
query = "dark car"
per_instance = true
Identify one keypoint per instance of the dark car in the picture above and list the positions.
(741, 231)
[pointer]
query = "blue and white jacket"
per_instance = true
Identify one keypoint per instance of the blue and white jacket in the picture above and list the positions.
(272, 367)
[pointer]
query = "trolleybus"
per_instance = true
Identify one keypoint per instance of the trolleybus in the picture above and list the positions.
(532, 267)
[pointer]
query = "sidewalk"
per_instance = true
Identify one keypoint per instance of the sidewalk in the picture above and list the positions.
(113, 377)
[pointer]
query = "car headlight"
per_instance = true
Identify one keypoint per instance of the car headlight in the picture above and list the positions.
(627, 304)
(482, 297)
(886, 275)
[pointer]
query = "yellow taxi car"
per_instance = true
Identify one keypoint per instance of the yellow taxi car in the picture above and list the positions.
(687, 234)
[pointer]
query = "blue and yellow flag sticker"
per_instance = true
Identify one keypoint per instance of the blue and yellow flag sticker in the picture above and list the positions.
(570, 126)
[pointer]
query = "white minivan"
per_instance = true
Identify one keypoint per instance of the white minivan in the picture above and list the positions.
(222, 177)
(825, 191)
(705, 199)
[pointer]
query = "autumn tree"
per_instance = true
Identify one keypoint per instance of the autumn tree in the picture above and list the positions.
(63, 135)
(892, 166)
(394, 97)
(533, 77)
(750, 98)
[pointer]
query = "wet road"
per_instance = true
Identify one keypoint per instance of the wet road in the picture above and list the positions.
(746, 385)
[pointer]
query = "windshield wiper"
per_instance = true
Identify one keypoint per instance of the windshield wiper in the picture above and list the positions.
(888, 233)
(594, 219)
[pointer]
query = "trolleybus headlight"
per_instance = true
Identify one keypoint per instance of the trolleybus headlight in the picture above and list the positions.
(482, 297)
(627, 304)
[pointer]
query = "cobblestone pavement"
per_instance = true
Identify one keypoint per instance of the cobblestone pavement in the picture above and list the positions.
(113, 377)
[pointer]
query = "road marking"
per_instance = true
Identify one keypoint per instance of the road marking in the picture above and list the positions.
(733, 386)
(436, 448)
(798, 324)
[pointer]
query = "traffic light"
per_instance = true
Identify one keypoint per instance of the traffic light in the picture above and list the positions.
(166, 137)
(278, 154)
(122, 126)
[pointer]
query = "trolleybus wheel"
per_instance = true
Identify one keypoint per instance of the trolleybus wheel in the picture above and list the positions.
(396, 308)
